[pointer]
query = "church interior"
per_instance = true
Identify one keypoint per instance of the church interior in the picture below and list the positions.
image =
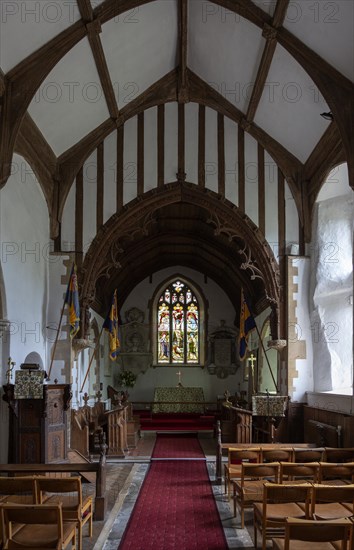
(176, 229)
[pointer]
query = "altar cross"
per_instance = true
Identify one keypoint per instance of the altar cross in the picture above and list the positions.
(251, 360)
(179, 374)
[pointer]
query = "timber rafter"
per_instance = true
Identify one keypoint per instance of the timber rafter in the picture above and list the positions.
(18, 86)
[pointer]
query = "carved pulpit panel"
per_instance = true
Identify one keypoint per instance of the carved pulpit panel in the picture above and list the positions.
(38, 427)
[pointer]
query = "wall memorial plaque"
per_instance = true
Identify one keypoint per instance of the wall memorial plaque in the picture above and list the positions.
(222, 356)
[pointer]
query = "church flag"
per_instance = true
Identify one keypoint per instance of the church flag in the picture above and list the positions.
(247, 324)
(111, 325)
(72, 299)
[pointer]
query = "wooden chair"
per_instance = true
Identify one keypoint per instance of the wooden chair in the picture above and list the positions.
(279, 503)
(334, 454)
(249, 488)
(318, 535)
(298, 472)
(36, 526)
(332, 502)
(308, 455)
(236, 457)
(281, 454)
(68, 492)
(20, 490)
(331, 473)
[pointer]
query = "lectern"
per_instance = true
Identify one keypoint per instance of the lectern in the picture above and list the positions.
(38, 426)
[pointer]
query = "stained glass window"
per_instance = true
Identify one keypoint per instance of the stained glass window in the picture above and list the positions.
(178, 325)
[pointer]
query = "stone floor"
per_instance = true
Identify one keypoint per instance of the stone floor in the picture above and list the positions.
(124, 479)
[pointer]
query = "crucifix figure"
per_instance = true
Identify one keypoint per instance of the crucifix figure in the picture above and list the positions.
(11, 364)
(179, 374)
(251, 361)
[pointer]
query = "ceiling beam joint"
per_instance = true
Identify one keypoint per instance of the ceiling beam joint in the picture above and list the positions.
(94, 27)
(269, 32)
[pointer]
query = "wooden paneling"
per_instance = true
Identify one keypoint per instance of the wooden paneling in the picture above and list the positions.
(332, 418)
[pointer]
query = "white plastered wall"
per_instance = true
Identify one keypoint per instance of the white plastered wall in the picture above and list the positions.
(25, 246)
(25, 257)
(332, 288)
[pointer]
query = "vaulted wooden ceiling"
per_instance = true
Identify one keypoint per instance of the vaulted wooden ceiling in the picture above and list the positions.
(73, 72)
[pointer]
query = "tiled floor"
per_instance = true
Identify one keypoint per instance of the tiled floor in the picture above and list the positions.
(124, 479)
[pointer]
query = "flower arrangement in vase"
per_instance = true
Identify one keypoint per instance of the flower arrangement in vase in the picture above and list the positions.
(127, 379)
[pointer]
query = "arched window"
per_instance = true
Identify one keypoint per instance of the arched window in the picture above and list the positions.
(178, 321)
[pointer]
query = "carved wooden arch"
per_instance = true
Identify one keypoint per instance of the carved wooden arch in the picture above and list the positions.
(256, 257)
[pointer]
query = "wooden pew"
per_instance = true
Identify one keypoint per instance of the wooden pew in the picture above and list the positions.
(119, 425)
(119, 399)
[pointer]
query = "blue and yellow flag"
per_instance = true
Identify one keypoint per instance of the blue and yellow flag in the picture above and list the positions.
(111, 325)
(247, 324)
(72, 299)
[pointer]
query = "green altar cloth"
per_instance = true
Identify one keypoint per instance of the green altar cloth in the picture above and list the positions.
(179, 399)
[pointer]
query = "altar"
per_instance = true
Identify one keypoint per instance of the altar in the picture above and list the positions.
(178, 400)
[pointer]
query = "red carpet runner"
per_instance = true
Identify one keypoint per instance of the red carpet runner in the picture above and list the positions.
(174, 446)
(175, 509)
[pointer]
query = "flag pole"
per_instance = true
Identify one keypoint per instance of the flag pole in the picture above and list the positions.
(72, 282)
(261, 341)
(56, 341)
(265, 354)
(91, 359)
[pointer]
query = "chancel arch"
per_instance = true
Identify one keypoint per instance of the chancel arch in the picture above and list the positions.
(158, 226)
